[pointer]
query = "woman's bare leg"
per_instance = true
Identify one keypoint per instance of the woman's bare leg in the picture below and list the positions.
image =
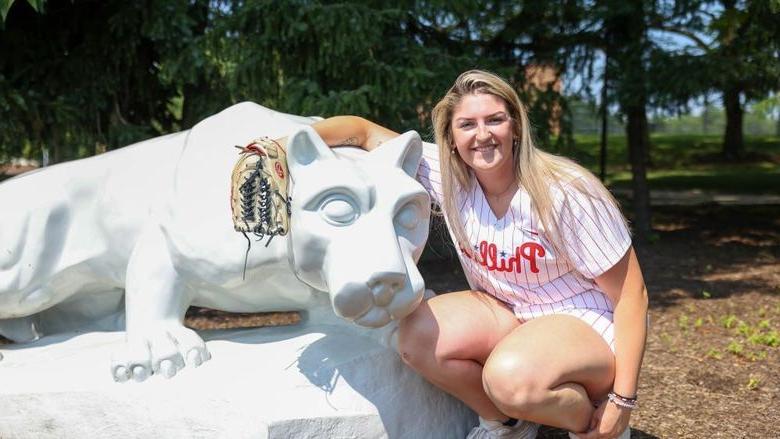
(548, 370)
(448, 338)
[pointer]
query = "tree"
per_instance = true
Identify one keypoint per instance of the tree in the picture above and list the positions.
(627, 44)
(324, 58)
(571, 35)
(641, 73)
(133, 70)
(738, 44)
(747, 61)
(81, 75)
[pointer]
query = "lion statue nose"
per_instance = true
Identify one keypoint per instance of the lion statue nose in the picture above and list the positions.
(355, 299)
(384, 285)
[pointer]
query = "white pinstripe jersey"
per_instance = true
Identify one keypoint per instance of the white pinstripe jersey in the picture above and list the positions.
(518, 265)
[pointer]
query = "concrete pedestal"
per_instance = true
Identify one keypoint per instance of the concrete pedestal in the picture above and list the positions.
(284, 382)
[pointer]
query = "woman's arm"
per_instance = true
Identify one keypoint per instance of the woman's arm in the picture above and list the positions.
(625, 287)
(350, 130)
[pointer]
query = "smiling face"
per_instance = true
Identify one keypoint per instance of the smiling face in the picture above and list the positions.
(482, 132)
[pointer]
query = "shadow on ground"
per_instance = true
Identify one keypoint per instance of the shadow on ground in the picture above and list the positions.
(556, 433)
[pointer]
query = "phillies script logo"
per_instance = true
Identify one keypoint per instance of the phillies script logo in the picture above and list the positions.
(494, 260)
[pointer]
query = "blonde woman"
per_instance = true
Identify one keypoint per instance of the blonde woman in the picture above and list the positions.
(553, 329)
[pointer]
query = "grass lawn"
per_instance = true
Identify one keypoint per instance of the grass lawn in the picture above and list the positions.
(690, 162)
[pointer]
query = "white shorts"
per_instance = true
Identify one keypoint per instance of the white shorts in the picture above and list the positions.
(598, 318)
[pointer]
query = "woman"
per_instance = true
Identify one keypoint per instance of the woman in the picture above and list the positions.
(553, 329)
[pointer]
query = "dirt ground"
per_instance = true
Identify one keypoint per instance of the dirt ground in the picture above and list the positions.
(713, 351)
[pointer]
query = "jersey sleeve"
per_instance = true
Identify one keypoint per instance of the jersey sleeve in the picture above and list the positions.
(594, 234)
(429, 172)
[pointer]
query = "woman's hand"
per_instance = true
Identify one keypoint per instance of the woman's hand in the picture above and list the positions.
(608, 421)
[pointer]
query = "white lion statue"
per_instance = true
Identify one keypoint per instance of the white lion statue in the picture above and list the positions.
(148, 227)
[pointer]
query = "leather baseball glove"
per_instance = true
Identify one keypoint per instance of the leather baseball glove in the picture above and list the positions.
(258, 197)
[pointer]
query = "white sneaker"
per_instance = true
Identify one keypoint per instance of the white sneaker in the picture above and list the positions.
(495, 429)
(625, 435)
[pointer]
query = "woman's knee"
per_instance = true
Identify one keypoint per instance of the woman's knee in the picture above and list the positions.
(453, 326)
(513, 383)
(417, 336)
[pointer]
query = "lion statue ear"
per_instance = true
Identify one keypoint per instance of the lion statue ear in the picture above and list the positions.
(305, 147)
(405, 152)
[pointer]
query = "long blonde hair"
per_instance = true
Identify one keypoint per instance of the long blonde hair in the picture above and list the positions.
(536, 171)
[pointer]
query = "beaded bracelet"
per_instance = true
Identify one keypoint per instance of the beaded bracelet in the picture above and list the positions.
(622, 401)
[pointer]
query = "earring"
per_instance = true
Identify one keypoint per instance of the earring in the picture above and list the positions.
(452, 151)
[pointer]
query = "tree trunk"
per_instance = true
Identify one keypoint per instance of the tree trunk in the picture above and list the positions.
(733, 143)
(638, 141)
(628, 38)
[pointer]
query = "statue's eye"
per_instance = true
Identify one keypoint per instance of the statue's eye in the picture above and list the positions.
(339, 210)
(408, 216)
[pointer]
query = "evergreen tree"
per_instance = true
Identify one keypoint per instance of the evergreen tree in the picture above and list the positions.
(83, 74)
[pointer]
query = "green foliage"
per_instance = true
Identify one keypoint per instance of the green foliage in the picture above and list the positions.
(715, 353)
(771, 338)
(769, 108)
(138, 69)
(78, 76)
(747, 42)
(718, 179)
(331, 58)
(674, 150)
(682, 162)
(682, 322)
(735, 347)
(753, 383)
(83, 75)
(749, 341)
(758, 120)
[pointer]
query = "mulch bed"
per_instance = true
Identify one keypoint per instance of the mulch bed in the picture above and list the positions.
(8, 170)
(712, 356)
(712, 359)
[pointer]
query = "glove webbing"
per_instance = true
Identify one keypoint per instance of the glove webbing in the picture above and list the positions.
(259, 197)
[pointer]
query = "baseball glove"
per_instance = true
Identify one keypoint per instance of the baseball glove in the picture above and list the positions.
(258, 196)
